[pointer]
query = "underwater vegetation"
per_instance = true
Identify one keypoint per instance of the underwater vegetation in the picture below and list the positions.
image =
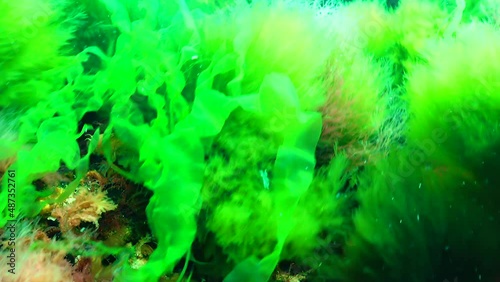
(249, 141)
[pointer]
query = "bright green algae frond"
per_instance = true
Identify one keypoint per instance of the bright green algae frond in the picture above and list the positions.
(267, 133)
(34, 52)
(183, 130)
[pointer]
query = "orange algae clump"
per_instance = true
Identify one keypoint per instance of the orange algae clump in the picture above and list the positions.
(85, 205)
(34, 265)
